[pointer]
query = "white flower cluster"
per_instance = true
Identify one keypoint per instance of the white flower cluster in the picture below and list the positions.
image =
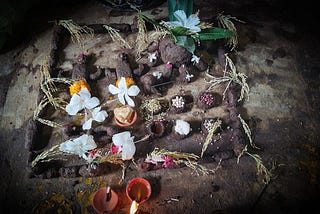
(178, 102)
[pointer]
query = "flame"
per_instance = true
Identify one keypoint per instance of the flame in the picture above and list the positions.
(134, 207)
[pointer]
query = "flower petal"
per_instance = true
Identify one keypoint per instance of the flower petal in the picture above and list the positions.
(129, 149)
(133, 90)
(100, 116)
(66, 146)
(121, 98)
(85, 94)
(129, 100)
(122, 84)
(87, 125)
(92, 102)
(75, 105)
(120, 138)
(72, 109)
(194, 29)
(180, 16)
(113, 89)
(192, 20)
(174, 24)
(87, 142)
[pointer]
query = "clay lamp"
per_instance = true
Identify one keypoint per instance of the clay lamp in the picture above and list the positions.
(104, 200)
(125, 116)
(206, 100)
(138, 191)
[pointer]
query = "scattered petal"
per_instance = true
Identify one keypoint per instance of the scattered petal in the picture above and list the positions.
(87, 125)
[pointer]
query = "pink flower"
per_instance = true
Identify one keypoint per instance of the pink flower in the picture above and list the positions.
(168, 161)
(169, 65)
(116, 149)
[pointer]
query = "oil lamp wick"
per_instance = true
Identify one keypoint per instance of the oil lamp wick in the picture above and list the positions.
(108, 194)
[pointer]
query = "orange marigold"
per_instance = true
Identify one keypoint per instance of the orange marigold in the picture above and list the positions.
(129, 82)
(78, 85)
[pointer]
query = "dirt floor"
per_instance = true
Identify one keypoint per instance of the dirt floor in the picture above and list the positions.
(279, 54)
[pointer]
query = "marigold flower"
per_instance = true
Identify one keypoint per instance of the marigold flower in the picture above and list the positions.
(129, 82)
(78, 85)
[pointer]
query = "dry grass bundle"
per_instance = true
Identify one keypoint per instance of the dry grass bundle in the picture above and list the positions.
(188, 159)
(77, 32)
(261, 168)
(47, 156)
(247, 130)
(209, 137)
(111, 158)
(116, 37)
(158, 33)
(36, 114)
(226, 22)
(48, 87)
(230, 75)
(142, 37)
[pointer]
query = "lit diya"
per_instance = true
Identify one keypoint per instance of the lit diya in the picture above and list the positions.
(125, 115)
(138, 191)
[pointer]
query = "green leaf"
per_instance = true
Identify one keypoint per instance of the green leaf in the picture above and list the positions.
(214, 33)
(179, 31)
(187, 42)
(174, 5)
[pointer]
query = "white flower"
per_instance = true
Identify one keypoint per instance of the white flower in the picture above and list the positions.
(125, 142)
(81, 101)
(124, 92)
(157, 74)
(153, 56)
(189, 76)
(79, 146)
(182, 127)
(97, 115)
(190, 23)
(195, 59)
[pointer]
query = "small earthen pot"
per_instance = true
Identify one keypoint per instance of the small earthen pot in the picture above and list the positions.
(178, 104)
(139, 190)
(206, 100)
(207, 124)
(104, 202)
(125, 116)
(156, 128)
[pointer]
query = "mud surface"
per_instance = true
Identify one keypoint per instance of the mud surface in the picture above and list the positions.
(280, 56)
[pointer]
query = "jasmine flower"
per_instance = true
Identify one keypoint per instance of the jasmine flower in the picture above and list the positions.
(79, 146)
(124, 144)
(97, 115)
(188, 77)
(195, 59)
(124, 92)
(153, 56)
(81, 101)
(190, 23)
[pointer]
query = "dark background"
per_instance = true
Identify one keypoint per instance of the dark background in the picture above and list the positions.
(21, 19)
